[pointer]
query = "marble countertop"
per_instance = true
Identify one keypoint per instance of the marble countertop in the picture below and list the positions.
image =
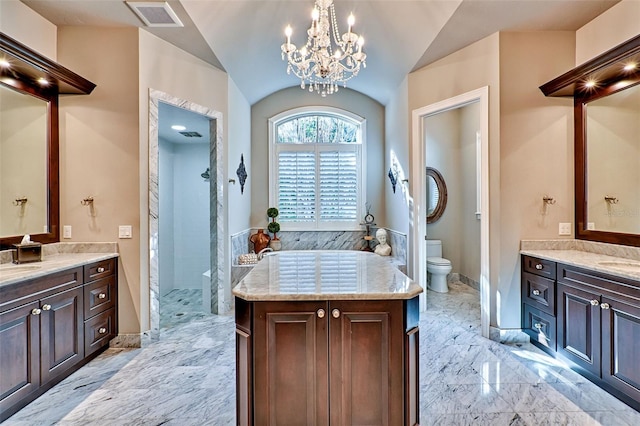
(325, 275)
(612, 265)
(11, 273)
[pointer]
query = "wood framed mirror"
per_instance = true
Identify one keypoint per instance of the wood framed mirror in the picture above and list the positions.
(29, 150)
(606, 93)
(436, 195)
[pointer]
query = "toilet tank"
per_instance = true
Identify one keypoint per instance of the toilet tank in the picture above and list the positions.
(434, 248)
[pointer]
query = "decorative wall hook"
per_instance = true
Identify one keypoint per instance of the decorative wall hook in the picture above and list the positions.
(405, 180)
(20, 201)
(611, 200)
(87, 201)
(548, 200)
(233, 181)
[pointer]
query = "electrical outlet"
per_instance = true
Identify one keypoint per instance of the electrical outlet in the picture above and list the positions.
(66, 231)
(591, 226)
(124, 231)
(564, 228)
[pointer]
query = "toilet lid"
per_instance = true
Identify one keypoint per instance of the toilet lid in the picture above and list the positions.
(438, 261)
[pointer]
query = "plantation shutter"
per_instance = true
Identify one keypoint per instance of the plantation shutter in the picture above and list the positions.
(338, 186)
(316, 164)
(297, 186)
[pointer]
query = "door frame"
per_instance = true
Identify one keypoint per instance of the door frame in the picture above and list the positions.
(480, 95)
(220, 296)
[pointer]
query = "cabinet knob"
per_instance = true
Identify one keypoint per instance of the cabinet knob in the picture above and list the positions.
(537, 325)
(536, 292)
(335, 313)
(36, 311)
(102, 296)
(539, 266)
(100, 269)
(605, 306)
(594, 302)
(320, 313)
(102, 330)
(46, 307)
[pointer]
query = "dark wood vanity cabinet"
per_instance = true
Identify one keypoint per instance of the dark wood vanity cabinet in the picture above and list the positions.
(539, 301)
(43, 333)
(327, 362)
(599, 328)
(597, 324)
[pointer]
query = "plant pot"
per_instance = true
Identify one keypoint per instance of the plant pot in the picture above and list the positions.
(275, 245)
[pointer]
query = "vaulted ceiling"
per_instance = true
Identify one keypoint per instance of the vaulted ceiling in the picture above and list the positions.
(243, 37)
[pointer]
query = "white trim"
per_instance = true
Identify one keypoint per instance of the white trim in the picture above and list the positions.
(360, 148)
(419, 205)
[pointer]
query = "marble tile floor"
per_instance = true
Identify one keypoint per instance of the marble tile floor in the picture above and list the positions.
(187, 378)
(181, 306)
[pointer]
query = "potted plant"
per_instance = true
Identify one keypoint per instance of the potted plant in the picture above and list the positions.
(274, 228)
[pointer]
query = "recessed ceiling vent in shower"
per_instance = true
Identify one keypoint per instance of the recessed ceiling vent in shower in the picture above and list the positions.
(155, 14)
(191, 134)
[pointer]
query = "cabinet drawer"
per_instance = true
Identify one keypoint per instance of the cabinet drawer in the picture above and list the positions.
(539, 292)
(99, 269)
(541, 267)
(99, 296)
(540, 326)
(98, 331)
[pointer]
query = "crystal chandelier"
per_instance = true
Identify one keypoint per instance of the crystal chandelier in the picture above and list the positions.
(318, 64)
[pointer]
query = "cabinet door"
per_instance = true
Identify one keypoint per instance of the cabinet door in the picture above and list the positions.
(19, 355)
(579, 327)
(621, 346)
(290, 363)
(366, 364)
(62, 336)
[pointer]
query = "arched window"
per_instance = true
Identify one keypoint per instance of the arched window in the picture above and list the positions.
(316, 169)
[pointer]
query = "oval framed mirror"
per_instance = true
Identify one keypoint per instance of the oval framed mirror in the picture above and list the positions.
(436, 195)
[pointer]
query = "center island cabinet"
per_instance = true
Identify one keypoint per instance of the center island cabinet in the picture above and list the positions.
(327, 338)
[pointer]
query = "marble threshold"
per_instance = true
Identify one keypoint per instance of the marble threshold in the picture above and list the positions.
(187, 377)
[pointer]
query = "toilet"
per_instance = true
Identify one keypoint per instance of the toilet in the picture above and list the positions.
(437, 267)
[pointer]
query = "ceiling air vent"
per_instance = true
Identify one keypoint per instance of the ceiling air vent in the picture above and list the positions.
(191, 134)
(155, 14)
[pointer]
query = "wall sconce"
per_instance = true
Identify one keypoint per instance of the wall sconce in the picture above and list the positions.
(610, 200)
(548, 200)
(393, 177)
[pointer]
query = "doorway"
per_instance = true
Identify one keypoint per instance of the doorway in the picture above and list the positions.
(420, 123)
(213, 292)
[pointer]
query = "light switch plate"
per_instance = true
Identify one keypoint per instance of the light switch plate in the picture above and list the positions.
(564, 228)
(124, 231)
(66, 231)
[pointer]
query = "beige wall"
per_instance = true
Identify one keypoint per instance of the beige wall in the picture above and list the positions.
(536, 153)
(21, 23)
(528, 150)
(396, 147)
(99, 154)
(295, 97)
(468, 69)
(614, 26)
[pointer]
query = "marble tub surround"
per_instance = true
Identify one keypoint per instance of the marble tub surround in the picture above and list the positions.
(321, 240)
(11, 273)
(624, 267)
(325, 275)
